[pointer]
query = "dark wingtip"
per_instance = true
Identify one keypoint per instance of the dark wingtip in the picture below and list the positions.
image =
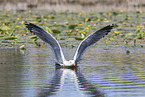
(27, 23)
(109, 27)
(31, 26)
(112, 25)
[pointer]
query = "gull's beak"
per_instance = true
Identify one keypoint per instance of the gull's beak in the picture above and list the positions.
(74, 64)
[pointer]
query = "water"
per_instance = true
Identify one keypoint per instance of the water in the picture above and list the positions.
(72, 5)
(106, 72)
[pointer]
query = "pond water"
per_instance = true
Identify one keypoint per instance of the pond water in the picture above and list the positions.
(107, 71)
(72, 5)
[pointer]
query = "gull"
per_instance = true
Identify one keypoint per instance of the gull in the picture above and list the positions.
(57, 50)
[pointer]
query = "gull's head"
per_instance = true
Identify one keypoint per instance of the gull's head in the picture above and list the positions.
(69, 63)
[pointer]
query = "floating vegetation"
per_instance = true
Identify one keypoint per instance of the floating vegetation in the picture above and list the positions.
(56, 31)
(129, 30)
(127, 52)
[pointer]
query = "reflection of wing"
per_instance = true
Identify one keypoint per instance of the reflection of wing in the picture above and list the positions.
(49, 40)
(91, 40)
(87, 86)
(54, 85)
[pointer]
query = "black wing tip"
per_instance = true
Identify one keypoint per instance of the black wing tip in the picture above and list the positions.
(30, 25)
(109, 27)
(27, 23)
(112, 25)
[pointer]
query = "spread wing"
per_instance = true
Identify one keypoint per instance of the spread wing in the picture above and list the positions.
(91, 40)
(49, 40)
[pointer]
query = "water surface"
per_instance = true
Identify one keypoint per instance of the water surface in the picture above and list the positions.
(72, 5)
(106, 72)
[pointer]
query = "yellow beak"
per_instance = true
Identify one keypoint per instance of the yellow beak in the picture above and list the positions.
(74, 64)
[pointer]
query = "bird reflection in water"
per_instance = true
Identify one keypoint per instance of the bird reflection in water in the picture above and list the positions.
(70, 81)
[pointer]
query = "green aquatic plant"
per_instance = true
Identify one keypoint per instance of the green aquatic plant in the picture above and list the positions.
(74, 25)
(127, 52)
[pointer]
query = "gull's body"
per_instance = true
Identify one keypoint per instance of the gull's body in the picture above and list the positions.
(56, 49)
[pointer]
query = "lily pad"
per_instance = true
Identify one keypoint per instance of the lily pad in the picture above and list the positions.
(1, 30)
(56, 31)
(79, 38)
(48, 29)
(10, 38)
(5, 28)
(33, 37)
(5, 41)
(127, 52)
(72, 26)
